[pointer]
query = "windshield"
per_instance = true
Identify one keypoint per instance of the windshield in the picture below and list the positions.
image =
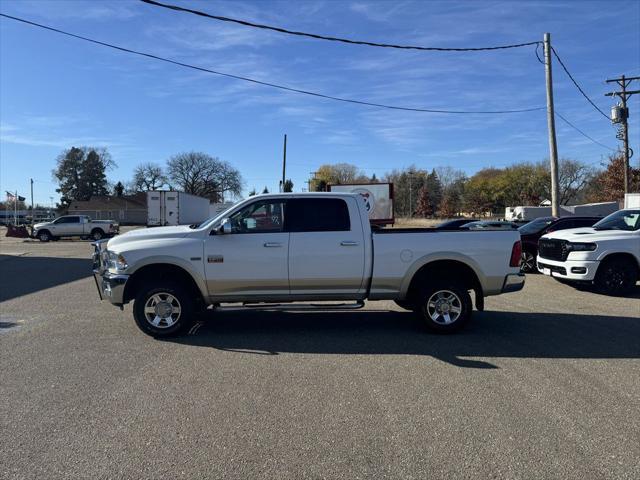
(535, 226)
(211, 221)
(621, 220)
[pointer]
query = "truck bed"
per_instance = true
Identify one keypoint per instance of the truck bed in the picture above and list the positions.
(399, 252)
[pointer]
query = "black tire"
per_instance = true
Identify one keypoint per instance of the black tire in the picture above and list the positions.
(616, 277)
(430, 306)
(405, 304)
(528, 262)
(97, 234)
(44, 236)
(163, 328)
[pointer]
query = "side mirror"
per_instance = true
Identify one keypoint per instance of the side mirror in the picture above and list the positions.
(225, 227)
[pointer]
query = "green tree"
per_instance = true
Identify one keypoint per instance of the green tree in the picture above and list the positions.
(266, 190)
(81, 173)
(118, 189)
(288, 186)
(336, 174)
(406, 185)
(253, 192)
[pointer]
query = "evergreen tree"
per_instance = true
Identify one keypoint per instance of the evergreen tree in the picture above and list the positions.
(118, 189)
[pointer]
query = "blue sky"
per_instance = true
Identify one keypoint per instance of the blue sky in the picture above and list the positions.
(56, 92)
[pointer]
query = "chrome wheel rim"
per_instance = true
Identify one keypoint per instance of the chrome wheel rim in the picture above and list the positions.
(444, 307)
(97, 236)
(527, 262)
(162, 310)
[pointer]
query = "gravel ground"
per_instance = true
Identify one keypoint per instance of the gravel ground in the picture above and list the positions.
(544, 384)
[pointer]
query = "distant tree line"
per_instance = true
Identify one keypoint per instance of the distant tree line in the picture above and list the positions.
(447, 192)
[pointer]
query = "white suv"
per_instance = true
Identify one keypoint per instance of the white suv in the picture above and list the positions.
(607, 254)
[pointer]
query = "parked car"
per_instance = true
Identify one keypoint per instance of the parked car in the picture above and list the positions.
(454, 224)
(272, 249)
(489, 225)
(607, 254)
(75, 226)
(532, 231)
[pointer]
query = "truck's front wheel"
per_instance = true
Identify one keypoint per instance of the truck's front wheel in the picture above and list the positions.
(616, 277)
(163, 311)
(444, 308)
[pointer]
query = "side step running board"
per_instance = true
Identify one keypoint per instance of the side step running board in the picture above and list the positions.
(292, 307)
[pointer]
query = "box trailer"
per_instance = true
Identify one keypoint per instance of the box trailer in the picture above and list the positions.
(175, 208)
(632, 200)
(378, 198)
(529, 213)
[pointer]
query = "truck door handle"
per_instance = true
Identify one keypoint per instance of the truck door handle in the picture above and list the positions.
(349, 243)
(272, 244)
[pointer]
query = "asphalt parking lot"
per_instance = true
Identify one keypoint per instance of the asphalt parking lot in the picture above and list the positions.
(544, 384)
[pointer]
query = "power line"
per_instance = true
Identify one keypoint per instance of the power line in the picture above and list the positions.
(582, 133)
(576, 84)
(267, 84)
(326, 37)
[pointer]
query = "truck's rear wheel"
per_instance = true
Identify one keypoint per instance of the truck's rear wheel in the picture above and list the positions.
(164, 310)
(97, 234)
(445, 307)
(616, 277)
(528, 262)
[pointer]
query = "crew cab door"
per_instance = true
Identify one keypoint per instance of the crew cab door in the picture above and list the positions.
(326, 246)
(66, 226)
(251, 261)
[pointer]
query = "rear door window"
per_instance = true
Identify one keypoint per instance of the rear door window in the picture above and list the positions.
(317, 215)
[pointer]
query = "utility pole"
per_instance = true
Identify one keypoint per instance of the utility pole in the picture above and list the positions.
(284, 163)
(620, 114)
(551, 123)
(32, 212)
(310, 180)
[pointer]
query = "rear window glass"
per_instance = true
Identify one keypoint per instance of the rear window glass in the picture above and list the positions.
(317, 215)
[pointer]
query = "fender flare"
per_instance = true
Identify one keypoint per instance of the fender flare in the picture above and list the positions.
(437, 256)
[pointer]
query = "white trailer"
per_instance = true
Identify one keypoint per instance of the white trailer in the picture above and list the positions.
(529, 213)
(631, 200)
(175, 208)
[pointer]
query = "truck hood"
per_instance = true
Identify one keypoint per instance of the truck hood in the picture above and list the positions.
(155, 233)
(583, 234)
(38, 226)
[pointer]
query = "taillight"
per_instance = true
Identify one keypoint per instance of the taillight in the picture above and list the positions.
(516, 254)
(111, 226)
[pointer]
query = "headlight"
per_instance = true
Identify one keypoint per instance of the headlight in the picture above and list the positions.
(581, 247)
(117, 261)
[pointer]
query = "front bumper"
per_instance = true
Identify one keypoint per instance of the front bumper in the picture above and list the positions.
(575, 270)
(110, 285)
(513, 282)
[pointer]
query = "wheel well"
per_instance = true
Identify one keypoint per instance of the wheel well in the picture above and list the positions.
(453, 269)
(624, 257)
(159, 272)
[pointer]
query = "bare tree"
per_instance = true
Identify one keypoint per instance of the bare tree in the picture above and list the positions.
(573, 178)
(148, 176)
(201, 174)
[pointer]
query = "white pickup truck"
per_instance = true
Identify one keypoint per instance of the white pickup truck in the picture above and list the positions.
(74, 226)
(271, 250)
(607, 254)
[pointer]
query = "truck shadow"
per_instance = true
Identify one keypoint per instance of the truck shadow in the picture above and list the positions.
(375, 332)
(22, 275)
